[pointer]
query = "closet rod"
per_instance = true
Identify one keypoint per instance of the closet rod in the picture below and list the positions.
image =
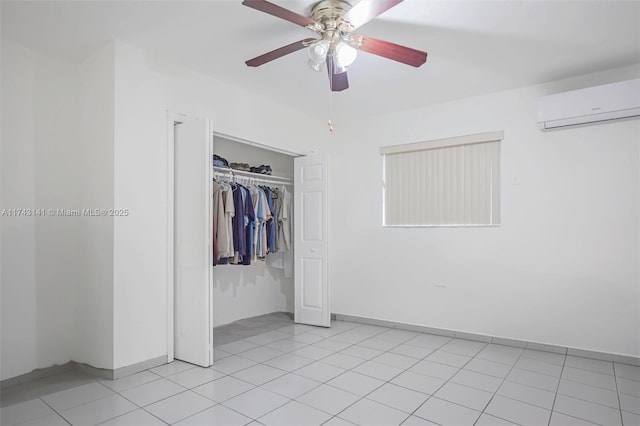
(257, 176)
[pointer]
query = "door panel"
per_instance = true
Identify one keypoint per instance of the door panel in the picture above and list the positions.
(192, 239)
(312, 205)
(311, 247)
(312, 276)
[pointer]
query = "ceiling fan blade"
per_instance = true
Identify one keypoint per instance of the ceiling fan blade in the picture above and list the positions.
(278, 53)
(337, 81)
(366, 10)
(278, 12)
(393, 51)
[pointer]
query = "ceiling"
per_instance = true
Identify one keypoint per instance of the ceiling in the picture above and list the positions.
(474, 46)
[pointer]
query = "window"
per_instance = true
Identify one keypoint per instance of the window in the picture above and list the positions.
(445, 182)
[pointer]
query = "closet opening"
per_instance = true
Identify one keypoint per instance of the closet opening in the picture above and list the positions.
(264, 283)
(279, 280)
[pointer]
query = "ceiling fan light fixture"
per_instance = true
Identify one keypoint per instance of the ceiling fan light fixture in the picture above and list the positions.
(345, 55)
(318, 54)
(318, 51)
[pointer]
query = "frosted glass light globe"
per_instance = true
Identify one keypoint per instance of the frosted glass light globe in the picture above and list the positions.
(345, 55)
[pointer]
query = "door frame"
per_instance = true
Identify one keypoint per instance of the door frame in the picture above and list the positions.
(173, 119)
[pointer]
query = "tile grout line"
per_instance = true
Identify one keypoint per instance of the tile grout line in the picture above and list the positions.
(553, 406)
(288, 372)
(255, 386)
(556, 393)
(497, 389)
(413, 413)
(138, 407)
(344, 372)
(587, 401)
(141, 384)
(351, 369)
(86, 402)
(143, 407)
(55, 411)
(560, 378)
(387, 381)
(615, 378)
(590, 401)
(128, 412)
(181, 392)
(242, 393)
(504, 379)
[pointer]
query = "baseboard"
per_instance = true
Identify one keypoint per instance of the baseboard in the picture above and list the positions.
(604, 356)
(138, 367)
(288, 314)
(276, 313)
(103, 373)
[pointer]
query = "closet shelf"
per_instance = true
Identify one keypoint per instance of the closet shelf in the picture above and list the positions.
(251, 175)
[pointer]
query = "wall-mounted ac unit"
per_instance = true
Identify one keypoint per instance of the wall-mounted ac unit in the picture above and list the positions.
(593, 104)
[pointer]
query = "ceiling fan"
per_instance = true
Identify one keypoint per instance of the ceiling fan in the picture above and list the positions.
(335, 22)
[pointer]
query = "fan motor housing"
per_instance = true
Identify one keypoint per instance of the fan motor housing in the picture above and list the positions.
(327, 12)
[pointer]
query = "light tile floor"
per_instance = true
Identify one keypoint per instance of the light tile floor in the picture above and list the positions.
(270, 371)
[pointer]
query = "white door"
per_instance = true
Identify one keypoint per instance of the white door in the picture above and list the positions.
(192, 242)
(311, 249)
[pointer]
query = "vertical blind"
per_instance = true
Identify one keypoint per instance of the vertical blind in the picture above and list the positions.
(443, 183)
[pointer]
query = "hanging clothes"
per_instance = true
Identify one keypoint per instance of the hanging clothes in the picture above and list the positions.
(277, 201)
(223, 213)
(249, 223)
(265, 229)
(283, 241)
(239, 236)
(270, 226)
(261, 232)
(283, 259)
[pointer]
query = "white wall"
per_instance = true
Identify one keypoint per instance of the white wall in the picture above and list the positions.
(55, 275)
(95, 304)
(18, 287)
(563, 268)
(145, 90)
(56, 186)
(248, 291)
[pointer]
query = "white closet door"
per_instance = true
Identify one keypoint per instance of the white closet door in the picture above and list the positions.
(311, 248)
(192, 219)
